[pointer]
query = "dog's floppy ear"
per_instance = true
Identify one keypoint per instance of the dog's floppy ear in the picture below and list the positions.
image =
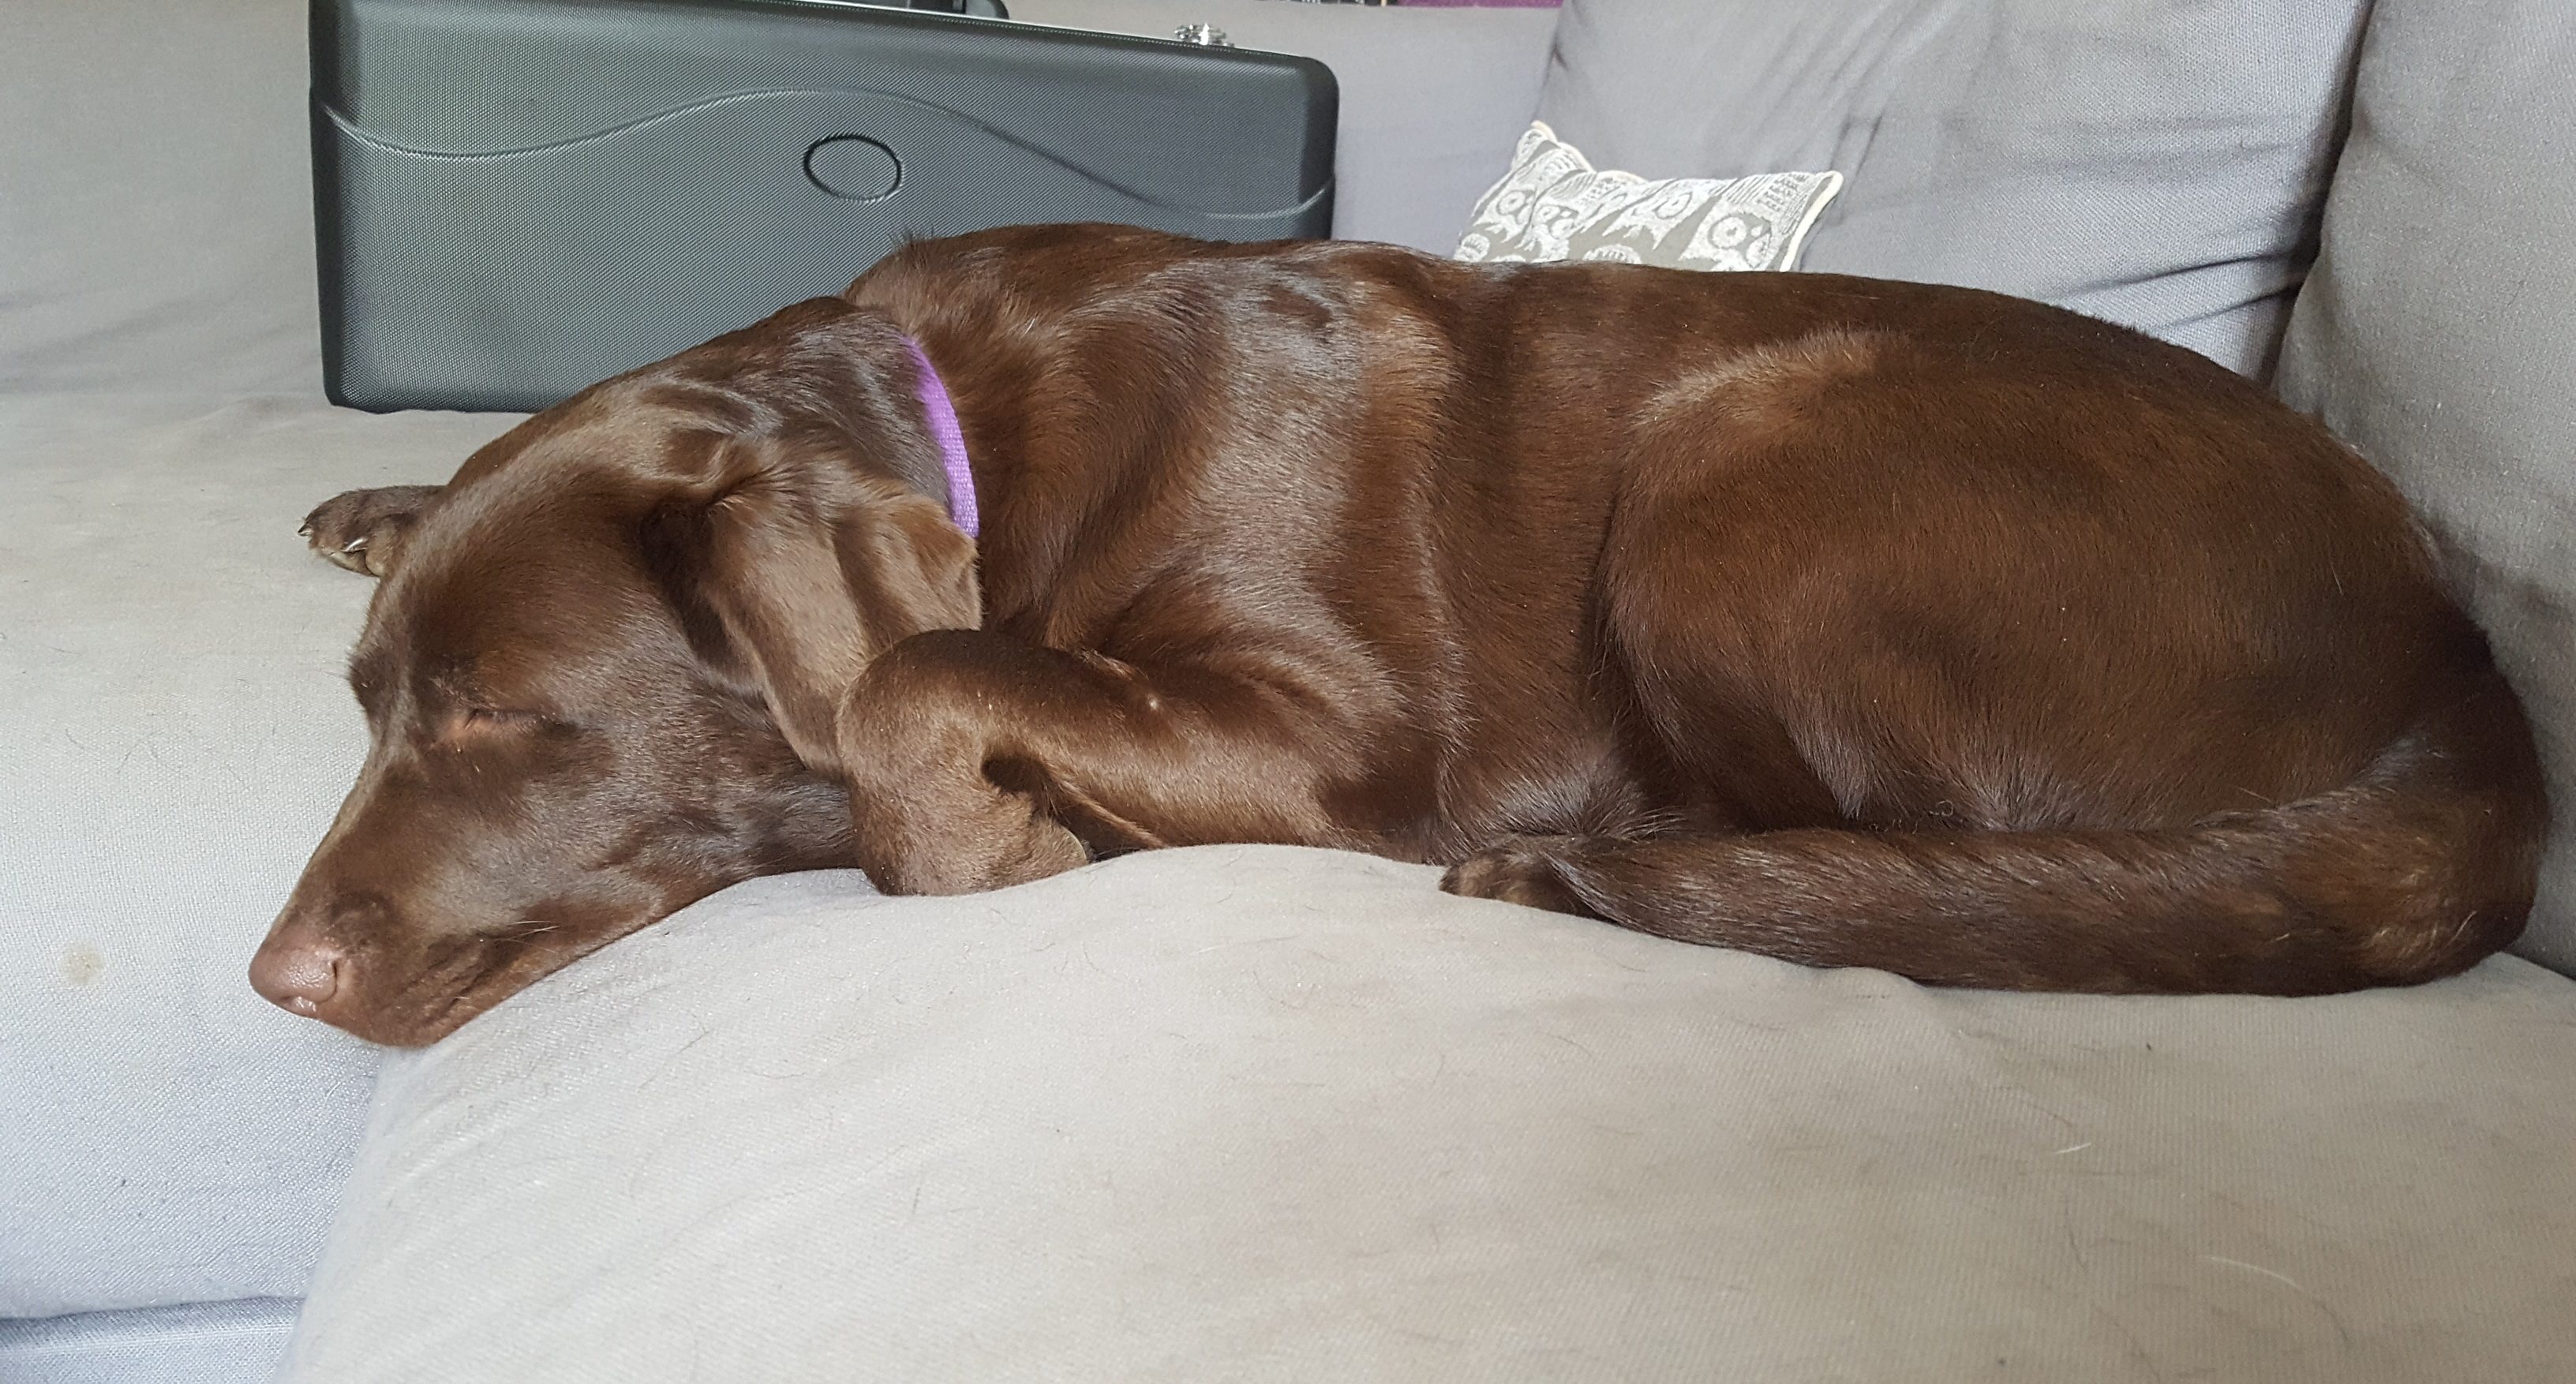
(792, 579)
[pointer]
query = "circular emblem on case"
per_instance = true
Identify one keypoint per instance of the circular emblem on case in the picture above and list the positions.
(854, 166)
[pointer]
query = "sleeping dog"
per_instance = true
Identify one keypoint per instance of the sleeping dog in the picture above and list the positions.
(1851, 622)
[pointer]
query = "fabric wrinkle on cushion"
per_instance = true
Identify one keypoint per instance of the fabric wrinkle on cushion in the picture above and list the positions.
(232, 1342)
(1257, 1113)
(2438, 336)
(2152, 164)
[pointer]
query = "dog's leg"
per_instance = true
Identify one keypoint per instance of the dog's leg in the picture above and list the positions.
(363, 530)
(973, 757)
(2415, 871)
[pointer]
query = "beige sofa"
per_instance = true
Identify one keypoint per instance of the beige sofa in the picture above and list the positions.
(1252, 1113)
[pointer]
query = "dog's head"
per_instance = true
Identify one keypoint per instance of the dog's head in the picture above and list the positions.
(602, 678)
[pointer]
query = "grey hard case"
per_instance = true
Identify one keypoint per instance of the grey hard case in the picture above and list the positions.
(518, 198)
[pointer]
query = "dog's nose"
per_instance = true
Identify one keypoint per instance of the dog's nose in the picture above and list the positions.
(299, 970)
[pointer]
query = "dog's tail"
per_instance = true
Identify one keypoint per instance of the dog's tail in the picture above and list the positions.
(2419, 868)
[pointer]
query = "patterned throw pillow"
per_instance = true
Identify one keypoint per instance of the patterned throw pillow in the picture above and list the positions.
(1554, 205)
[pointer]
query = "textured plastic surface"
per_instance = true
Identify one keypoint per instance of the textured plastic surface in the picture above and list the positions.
(518, 198)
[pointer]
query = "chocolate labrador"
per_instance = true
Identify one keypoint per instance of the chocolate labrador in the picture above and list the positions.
(1850, 622)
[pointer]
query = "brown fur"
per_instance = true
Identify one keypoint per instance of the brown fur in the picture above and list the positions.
(1852, 622)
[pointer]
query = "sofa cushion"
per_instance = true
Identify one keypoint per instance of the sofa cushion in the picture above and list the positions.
(1255, 1113)
(156, 231)
(2159, 165)
(198, 1343)
(177, 738)
(2438, 335)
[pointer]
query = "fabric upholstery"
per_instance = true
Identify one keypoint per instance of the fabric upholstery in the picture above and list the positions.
(156, 228)
(2438, 336)
(198, 1343)
(2155, 164)
(1253, 1113)
(177, 737)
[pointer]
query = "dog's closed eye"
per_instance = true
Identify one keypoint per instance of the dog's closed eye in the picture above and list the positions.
(477, 722)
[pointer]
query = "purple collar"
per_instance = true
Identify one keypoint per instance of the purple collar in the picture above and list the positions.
(942, 417)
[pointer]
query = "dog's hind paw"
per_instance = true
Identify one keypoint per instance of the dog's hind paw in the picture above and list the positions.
(1526, 872)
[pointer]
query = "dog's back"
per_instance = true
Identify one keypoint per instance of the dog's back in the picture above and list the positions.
(2069, 658)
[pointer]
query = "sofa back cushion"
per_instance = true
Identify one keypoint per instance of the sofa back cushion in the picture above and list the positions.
(2155, 164)
(2438, 335)
(156, 207)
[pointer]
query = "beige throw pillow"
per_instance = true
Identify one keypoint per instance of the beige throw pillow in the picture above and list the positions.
(1554, 205)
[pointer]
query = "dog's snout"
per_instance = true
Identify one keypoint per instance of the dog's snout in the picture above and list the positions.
(300, 970)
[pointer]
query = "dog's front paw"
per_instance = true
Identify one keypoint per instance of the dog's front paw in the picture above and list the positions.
(362, 530)
(1525, 872)
(1043, 847)
(964, 841)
